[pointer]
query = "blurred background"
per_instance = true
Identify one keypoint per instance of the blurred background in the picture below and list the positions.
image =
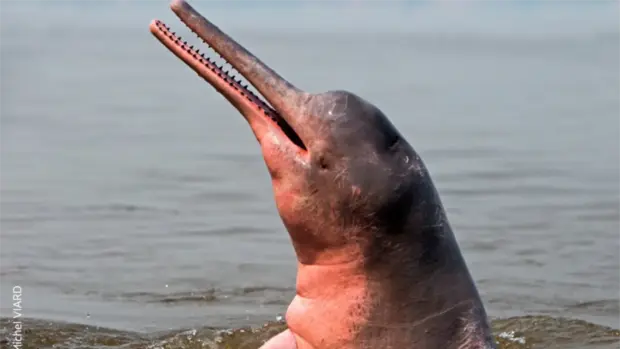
(133, 196)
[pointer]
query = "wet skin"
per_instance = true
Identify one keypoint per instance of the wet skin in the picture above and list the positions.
(378, 264)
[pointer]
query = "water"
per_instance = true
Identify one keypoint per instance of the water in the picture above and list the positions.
(134, 197)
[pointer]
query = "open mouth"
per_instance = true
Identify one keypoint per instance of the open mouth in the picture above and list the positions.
(224, 81)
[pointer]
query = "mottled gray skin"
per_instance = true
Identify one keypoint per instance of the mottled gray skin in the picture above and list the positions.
(420, 293)
(378, 263)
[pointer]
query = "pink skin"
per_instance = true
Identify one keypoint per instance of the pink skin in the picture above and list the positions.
(284, 340)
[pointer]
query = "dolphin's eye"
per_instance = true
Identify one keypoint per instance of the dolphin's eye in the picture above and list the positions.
(393, 141)
(323, 162)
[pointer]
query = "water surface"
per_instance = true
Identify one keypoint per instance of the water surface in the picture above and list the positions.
(134, 197)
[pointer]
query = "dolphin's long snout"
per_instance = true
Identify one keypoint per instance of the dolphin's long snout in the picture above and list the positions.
(280, 93)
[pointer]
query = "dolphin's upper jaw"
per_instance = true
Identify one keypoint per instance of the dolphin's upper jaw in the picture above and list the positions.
(267, 121)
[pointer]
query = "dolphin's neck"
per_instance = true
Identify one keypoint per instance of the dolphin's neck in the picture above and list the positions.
(392, 303)
(419, 279)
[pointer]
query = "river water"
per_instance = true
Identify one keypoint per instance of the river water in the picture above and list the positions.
(134, 197)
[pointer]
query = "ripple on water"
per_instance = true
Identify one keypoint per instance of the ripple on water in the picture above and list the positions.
(526, 332)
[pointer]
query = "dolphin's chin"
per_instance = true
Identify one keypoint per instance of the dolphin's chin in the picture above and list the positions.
(224, 82)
